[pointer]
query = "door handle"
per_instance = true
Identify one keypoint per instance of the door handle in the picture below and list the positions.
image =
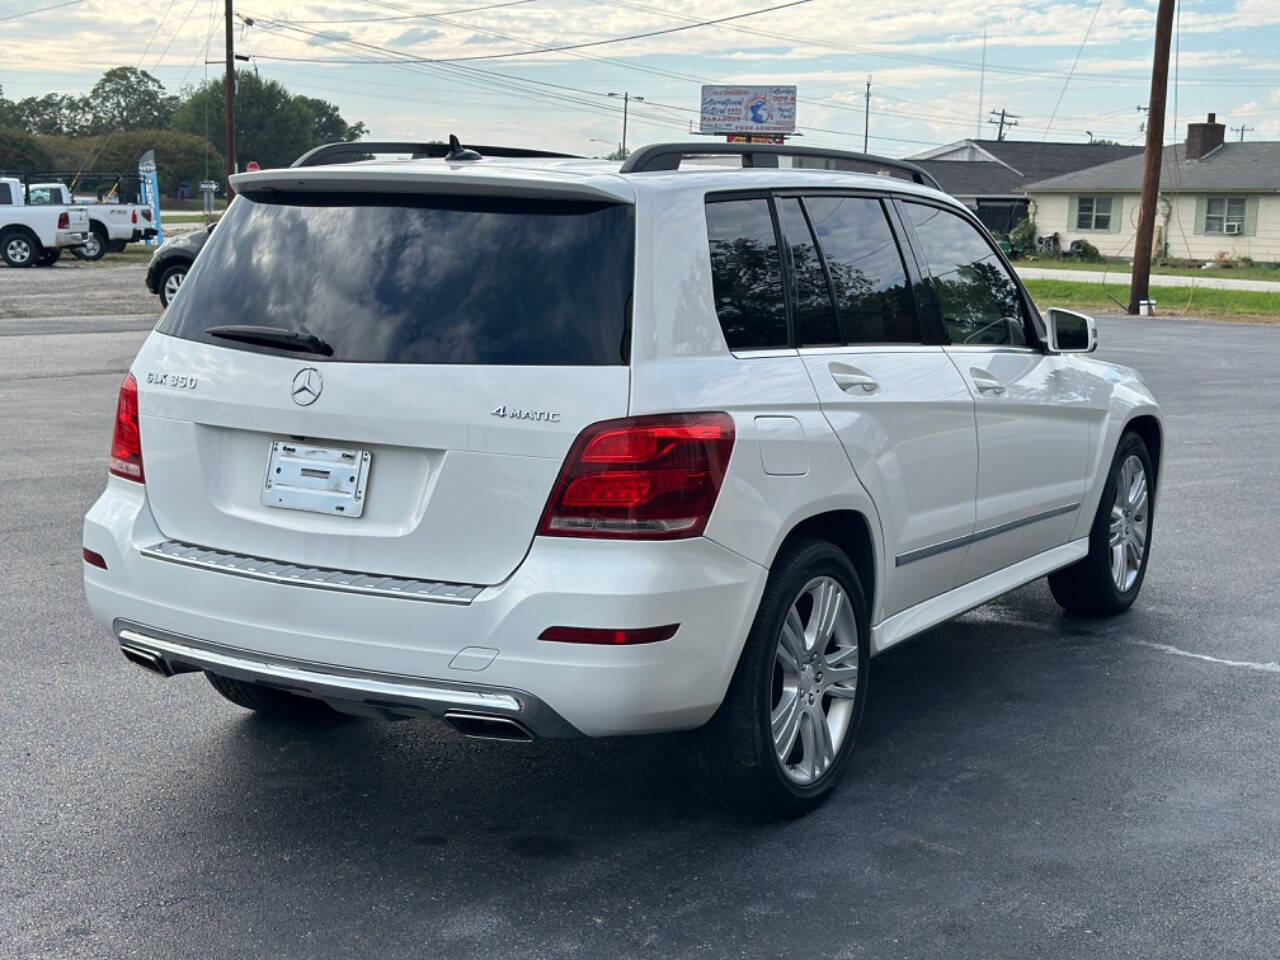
(985, 382)
(848, 378)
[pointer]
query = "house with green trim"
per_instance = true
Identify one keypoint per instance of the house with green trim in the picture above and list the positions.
(1215, 198)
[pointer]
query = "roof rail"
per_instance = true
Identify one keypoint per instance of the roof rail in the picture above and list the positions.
(667, 156)
(357, 150)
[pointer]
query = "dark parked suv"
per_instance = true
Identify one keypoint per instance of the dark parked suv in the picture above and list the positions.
(169, 265)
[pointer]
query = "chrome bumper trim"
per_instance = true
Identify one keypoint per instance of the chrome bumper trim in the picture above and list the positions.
(318, 578)
(390, 692)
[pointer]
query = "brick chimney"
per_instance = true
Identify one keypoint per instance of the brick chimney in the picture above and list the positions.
(1204, 138)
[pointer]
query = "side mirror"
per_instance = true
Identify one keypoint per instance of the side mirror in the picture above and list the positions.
(1071, 332)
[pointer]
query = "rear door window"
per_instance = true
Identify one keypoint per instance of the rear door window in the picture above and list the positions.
(6, 195)
(812, 309)
(980, 302)
(414, 279)
(746, 274)
(872, 292)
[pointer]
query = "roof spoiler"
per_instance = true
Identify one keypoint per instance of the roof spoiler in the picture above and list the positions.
(350, 152)
(667, 156)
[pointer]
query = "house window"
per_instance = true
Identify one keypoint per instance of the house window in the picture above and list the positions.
(1093, 213)
(1224, 215)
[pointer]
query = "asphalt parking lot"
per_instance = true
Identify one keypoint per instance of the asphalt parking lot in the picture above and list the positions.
(1026, 785)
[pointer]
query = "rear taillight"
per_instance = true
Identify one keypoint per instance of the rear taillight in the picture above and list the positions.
(64, 221)
(643, 478)
(146, 214)
(126, 442)
(135, 216)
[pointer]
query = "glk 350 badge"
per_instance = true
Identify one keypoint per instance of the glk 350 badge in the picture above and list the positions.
(179, 381)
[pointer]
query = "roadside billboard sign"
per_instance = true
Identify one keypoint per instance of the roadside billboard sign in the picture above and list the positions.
(748, 109)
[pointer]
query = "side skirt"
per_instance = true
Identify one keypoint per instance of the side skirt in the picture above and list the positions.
(934, 611)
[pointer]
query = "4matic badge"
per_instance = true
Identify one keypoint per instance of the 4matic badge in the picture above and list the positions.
(522, 413)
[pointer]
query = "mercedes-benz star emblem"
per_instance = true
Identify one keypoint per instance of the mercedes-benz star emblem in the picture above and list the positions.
(307, 384)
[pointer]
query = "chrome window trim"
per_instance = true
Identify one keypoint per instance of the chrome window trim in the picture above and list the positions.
(870, 348)
(764, 352)
(316, 578)
(989, 348)
(933, 550)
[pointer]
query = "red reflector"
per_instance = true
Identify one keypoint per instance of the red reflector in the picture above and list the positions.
(64, 220)
(614, 638)
(126, 442)
(654, 478)
(94, 559)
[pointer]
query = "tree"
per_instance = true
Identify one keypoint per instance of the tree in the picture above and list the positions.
(19, 150)
(180, 157)
(127, 98)
(327, 125)
(53, 113)
(273, 126)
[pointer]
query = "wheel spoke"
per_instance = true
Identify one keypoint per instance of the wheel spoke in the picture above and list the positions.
(1117, 563)
(826, 607)
(808, 766)
(825, 749)
(793, 635)
(1138, 491)
(786, 724)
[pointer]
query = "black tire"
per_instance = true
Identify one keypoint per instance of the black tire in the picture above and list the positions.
(1087, 586)
(96, 248)
(49, 258)
(269, 701)
(178, 271)
(732, 758)
(20, 248)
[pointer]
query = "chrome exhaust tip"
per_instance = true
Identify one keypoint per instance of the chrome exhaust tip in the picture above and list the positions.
(147, 660)
(479, 726)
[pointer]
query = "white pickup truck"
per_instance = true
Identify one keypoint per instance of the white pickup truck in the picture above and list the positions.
(111, 225)
(36, 234)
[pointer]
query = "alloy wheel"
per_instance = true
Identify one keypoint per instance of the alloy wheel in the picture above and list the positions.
(18, 250)
(171, 285)
(815, 680)
(1130, 522)
(92, 246)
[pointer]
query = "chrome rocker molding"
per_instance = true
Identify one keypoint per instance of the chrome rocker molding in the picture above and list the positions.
(317, 578)
(489, 712)
(932, 551)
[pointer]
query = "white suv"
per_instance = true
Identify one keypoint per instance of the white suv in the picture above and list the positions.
(547, 448)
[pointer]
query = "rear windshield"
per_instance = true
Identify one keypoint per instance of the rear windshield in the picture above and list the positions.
(395, 279)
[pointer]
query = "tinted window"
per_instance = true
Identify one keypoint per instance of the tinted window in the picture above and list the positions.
(811, 307)
(872, 294)
(746, 278)
(6, 195)
(419, 279)
(980, 302)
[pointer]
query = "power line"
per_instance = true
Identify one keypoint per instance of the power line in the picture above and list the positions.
(421, 16)
(565, 47)
(53, 6)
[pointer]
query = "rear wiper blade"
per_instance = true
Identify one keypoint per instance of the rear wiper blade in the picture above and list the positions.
(285, 339)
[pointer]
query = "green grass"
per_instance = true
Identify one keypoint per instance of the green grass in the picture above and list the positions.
(201, 218)
(1123, 267)
(1176, 301)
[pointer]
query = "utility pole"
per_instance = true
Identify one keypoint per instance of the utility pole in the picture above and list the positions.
(1241, 130)
(231, 102)
(626, 102)
(1140, 286)
(1142, 124)
(1004, 119)
(866, 115)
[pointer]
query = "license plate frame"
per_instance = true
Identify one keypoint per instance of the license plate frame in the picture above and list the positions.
(316, 479)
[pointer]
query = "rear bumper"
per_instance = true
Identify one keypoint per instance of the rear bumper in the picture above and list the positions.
(170, 654)
(488, 644)
(63, 239)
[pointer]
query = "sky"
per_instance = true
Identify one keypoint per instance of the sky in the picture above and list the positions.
(925, 60)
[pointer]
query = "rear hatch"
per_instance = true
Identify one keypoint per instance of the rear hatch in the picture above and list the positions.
(449, 348)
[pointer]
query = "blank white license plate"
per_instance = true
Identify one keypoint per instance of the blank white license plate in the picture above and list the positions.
(328, 480)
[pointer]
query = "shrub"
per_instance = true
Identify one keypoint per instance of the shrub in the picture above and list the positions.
(20, 151)
(1023, 237)
(1084, 251)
